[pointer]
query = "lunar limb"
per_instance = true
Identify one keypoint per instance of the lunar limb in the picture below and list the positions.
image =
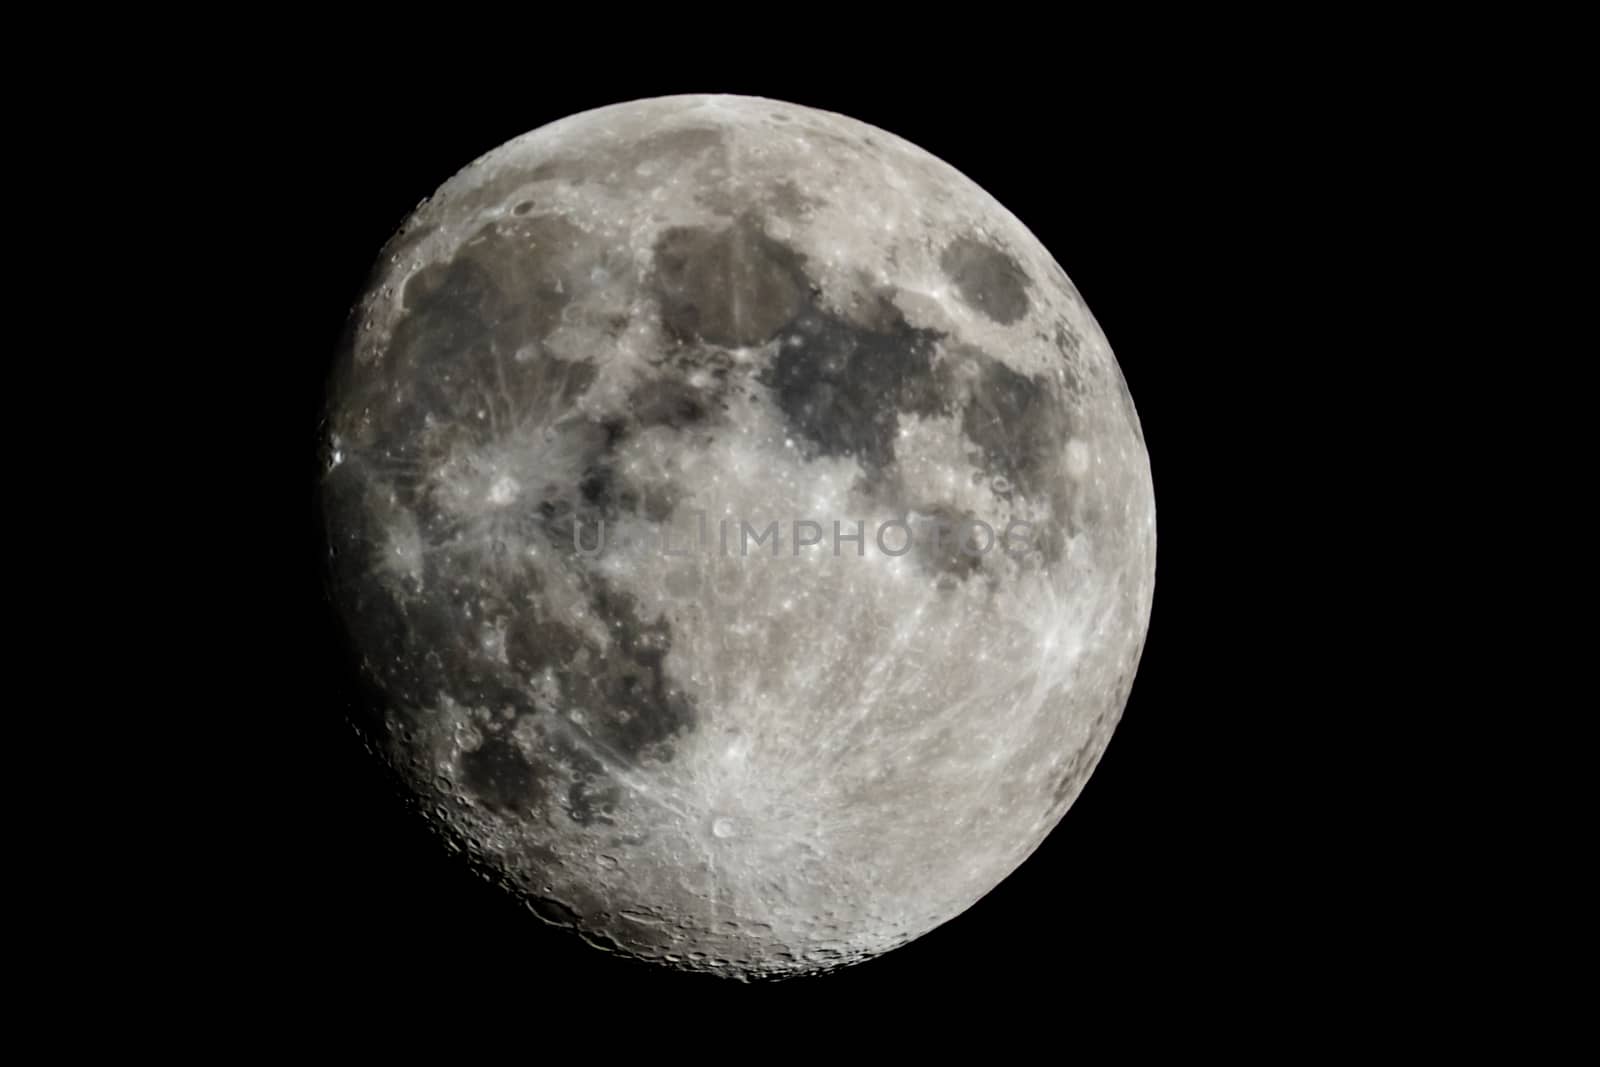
(689, 319)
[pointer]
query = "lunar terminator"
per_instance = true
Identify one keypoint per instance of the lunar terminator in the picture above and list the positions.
(749, 765)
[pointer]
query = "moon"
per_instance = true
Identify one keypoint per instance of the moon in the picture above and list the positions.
(744, 527)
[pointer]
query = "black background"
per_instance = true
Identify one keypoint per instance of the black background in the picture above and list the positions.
(1186, 869)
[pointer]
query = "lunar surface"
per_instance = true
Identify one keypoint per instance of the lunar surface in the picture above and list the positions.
(745, 526)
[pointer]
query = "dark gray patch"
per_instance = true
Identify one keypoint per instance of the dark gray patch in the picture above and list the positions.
(534, 645)
(421, 637)
(939, 543)
(569, 169)
(500, 777)
(1020, 423)
(842, 386)
(630, 707)
(731, 286)
(593, 799)
(662, 402)
(658, 502)
(1021, 426)
(672, 403)
(641, 708)
(674, 145)
(603, 494)
(1068, 343)
(789, 201)
(988, 278)
(454, 351)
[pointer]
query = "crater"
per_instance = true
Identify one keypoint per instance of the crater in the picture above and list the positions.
(989, 279)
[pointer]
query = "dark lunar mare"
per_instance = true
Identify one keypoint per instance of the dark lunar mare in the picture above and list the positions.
(465, 366)
(989, 279)
(843, 378)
